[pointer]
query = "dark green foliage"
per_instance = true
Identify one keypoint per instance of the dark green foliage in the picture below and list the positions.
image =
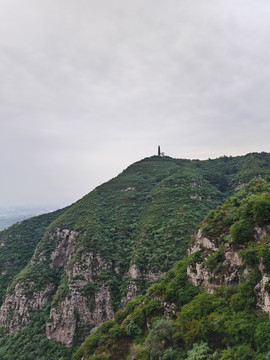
(222, 325)
(176, 287)
(241, 231)
(138, 316)
(214, 261)
(152, 308)
(262, 336)
(19, 243)
(30, 343)
(261, 211)
(132, 329)
(146, 216)
(115, 332)
(161, 340)
(202, 329)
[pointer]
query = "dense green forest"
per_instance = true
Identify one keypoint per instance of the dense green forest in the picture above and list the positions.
(176, 320)
(142, 221)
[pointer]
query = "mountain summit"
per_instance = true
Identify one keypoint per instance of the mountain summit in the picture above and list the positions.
(111, 245)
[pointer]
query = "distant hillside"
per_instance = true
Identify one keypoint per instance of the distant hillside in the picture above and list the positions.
(109, 247)
(18, 243)
(12, 215)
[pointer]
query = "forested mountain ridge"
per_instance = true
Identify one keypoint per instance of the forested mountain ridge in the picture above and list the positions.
(215, 304)
(110, 246)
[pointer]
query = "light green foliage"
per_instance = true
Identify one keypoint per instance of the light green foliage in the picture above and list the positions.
(241, 352)
(199, 351)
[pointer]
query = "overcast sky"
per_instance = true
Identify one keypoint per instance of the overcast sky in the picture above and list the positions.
(88, 87)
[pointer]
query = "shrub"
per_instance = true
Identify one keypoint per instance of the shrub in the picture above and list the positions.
(250, 256)
(138, 316)
(262, 336)
(132, 329)
(241, 231)
(115, 332)
(241, 352)
(161, 339)
(199, 352)
(261, 211)
(152, 308)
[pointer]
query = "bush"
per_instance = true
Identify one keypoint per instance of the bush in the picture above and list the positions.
(92, 341)
(132, 329)
(199, 352)
(261, 212)
(138, 317)
(241, 231)
(161, 339)
(115, 332)
(152, 308)
(242, 352)
(251, 255)
(262, 336)
(240, 328)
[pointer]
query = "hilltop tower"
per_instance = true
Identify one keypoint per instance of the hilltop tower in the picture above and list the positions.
(159, 153)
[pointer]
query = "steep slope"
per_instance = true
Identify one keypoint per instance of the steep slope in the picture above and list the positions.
(235, 239)
(114, 242)
(18, 243)
(178, 319)
(108, 246)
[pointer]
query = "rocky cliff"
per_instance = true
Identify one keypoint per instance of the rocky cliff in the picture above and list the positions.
(108, 247)
(235, 242)
(117, 240)
(229, 257)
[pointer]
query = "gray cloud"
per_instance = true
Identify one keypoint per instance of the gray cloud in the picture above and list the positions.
(89, 87)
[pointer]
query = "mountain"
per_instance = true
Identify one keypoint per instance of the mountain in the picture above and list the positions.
(109, 247)
(215, 304)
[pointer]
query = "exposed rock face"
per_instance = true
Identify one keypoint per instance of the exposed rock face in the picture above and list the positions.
(199, 274)
(230, 268)
(134, 273)
(82, 299)
(262, 293)
(77, 309)
(18, 306)
(82, 303)
(22, 301)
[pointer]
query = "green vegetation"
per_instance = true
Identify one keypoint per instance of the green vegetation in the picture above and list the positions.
(203, 327)
(178, 321)
(146, 216)
(30, 342)
(18, 245)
